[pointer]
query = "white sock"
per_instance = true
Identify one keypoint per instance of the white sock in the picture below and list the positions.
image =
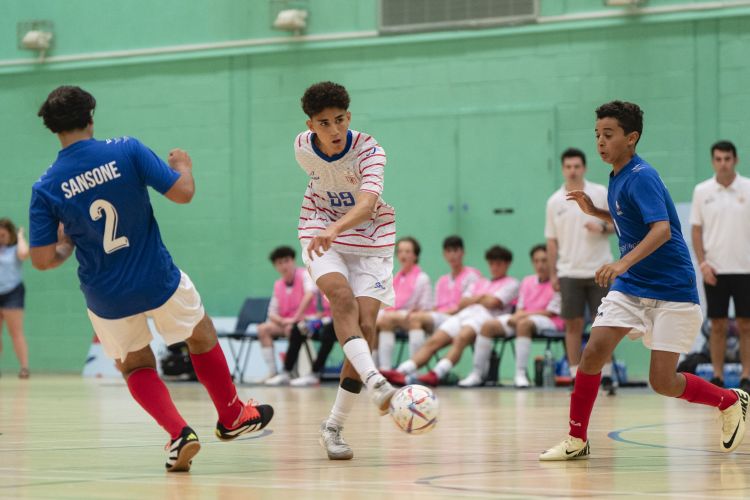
(358, 353)
(523, 349)
(268, 357)
(386, 341)
(482, 353)
(443, 367)
(375, 358)
(573, 370)
(407, 367)
(416, 339)
(607, 370)
(342, 407)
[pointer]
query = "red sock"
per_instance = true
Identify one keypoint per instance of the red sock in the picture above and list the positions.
(213, 372)
(702, 392)
(151, 393)
(582, 403)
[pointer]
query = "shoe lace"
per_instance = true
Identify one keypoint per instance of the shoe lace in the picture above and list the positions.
(334, 436)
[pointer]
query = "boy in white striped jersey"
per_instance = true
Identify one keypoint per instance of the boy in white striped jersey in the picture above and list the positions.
(347, 233)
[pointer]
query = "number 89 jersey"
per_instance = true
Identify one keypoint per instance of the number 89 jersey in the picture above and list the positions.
(98, 190)
(333, 187)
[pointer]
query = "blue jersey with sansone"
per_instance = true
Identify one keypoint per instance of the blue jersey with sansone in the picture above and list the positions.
(98, 190)
(637, 197)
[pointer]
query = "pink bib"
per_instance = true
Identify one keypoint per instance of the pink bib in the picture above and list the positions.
(289, 298)
(404, 285)
(536, 296)
(448, 291)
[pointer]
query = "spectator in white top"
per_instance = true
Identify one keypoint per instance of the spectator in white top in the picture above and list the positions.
(577, 245)
(720, 219)
(413, 293)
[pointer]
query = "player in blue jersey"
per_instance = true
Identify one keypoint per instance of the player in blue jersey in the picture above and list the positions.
(94, 199)
(654, 294)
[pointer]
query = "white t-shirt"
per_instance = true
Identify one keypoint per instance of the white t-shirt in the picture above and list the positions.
(724, 215)
(334, 184)
(580, 252)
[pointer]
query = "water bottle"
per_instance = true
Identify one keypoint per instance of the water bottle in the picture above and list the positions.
(548, 370)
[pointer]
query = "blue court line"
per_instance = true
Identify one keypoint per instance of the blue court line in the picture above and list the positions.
(617, 436)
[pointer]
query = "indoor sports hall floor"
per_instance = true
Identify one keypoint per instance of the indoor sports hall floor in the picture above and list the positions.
(69, 438)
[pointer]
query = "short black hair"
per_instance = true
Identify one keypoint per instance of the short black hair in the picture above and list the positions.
(629, 116)
(498, 252)
(282, 252)
(725, 146)
(536, 248)
(414, 244)
(67, 108)
(453, 243)
(324, 95)
(573, 153)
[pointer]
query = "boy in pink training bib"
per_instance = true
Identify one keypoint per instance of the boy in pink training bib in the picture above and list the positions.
(413, 293)
(538, 309)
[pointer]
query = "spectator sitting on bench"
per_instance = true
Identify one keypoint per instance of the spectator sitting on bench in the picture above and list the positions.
(538, 310)
(323, 326)
(449, 291)
(291, 302)
(486, 299)
(413, 293)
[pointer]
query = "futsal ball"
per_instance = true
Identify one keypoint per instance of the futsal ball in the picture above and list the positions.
(415, 409)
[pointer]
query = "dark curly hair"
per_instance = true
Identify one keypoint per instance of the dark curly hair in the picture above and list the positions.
(537, 248)
(629, 116)
(282, 252)
(498, 253)
(324, 95)
(67, 108)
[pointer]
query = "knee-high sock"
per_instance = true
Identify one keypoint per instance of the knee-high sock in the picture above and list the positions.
(270, 360)
(699, 391)
(212, 371)
(582, 403)
(386, 341)
(416, 339)
(358, 353)
(482, 353)
(343, 405)
(150, 392)
(443, 367)
(523, 349)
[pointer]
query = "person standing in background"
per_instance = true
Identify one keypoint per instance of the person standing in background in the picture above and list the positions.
(13, 251)
(720, 220)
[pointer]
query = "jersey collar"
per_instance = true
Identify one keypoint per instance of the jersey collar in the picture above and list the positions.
(333, 158)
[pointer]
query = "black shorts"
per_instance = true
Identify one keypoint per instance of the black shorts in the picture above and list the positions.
(736, 286)
(576, 293)
(13, 299)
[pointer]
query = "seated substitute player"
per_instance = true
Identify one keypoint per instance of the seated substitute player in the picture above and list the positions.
(94, 199)
(293, 300)
(413, 293)
(326, 334)
(654, 293)
(449, 291)
(538, 309)
(485, 300)
(347, 232)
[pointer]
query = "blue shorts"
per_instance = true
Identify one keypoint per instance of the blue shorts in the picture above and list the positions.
(13, 299)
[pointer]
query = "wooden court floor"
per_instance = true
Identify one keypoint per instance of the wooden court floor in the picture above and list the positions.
(69, 438)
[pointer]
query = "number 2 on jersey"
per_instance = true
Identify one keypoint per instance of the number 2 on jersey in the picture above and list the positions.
(103, 207)
(343, 199)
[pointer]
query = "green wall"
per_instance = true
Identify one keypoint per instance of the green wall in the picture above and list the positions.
(472, 121)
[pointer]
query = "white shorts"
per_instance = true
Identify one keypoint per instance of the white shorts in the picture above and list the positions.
(367, 276)
(175, 321)
(541, 322)
(473, 316)
(438, 318)
(664, 326)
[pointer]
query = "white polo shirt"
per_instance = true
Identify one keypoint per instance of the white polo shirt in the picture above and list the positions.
(580, 252)
(724, 215)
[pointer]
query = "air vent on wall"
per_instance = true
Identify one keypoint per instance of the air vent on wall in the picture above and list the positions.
(399, 16)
